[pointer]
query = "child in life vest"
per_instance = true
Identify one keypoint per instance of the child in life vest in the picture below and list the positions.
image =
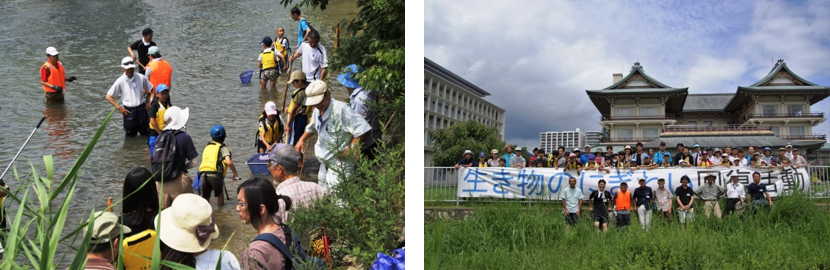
(216, 160)
(592, 163)
(270, 128)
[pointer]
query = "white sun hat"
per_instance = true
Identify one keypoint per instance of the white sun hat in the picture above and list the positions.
(188, 225)
(175, 118)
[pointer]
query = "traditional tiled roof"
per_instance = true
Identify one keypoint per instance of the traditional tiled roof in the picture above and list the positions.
(732, 141)
(637, 69)
(706, 102)
(778, 67)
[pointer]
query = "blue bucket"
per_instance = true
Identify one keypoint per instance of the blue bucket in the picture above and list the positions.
(259, 164)
(245, 77)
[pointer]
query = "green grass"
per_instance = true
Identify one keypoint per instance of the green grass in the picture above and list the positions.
(793, 235)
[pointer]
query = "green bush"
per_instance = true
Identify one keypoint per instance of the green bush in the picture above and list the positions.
(364, 214)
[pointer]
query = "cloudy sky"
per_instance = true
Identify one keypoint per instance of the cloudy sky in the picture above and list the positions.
(538, 58)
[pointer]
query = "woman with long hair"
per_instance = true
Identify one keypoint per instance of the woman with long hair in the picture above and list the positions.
(141, 203)
(258, 205)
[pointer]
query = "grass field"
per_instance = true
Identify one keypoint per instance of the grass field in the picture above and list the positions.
(792, 235)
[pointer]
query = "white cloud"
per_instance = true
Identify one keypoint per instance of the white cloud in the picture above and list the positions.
(536, 58)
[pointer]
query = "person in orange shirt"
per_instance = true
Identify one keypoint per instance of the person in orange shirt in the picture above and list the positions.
(623, 205)
(158, 71)
(53, 77)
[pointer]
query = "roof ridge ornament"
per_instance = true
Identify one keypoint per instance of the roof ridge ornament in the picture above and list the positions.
(637, 66)
(780, 62)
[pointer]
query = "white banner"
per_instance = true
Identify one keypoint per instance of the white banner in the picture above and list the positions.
(546, 183)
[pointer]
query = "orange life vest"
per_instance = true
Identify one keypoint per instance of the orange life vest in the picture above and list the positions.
(161, 71)
(56, 76)
(623, 200)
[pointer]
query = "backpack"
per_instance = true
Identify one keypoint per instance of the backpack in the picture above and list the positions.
(303, 262)
(165, 163)
(309, 26)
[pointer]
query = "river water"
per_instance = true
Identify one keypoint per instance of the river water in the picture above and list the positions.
(208, 43)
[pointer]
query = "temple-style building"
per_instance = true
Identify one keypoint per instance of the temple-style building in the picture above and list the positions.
(773, 112)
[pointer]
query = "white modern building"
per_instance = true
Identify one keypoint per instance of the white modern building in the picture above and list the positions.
(592, 138)
(552, 140)
(449, 99)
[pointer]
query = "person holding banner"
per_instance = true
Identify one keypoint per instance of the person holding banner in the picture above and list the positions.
(644, 198)
(724, 161)
(798, 160)
(466, 161)
(599, 206)
(734, 193)
(481, 162)
(518, 161)
(680, 148)
(758, 191)
(663, 197)
(685, 198)
(494, 159)
(685, 156)
(660, 155)
(572, 202)
(696, 154)
(607, 165)
(623, 205)
(704, 161)
(592, 164)
(573, 164)
(647, 163)
(709, 193)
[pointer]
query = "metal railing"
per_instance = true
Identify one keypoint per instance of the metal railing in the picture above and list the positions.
(819, 137)
(819, 182)
(726, 127)
(641, 117)
(785, 115)
(441, 184)
(620, 140)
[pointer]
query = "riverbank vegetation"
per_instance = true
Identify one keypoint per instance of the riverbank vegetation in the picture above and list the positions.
(517, 236)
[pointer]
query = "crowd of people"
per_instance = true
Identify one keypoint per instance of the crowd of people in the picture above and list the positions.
(645, 201)
(637, 158)
(605, 206)
(342, 130)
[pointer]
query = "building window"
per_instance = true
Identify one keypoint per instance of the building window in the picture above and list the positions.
(770, 109)
(625, 133)
(432, 106)
(426, 101)
(625, 112)
(707, 123)
(796, 110)
(430, 122)
(776, 130)
(796, 130)
(692, 123)
(650, 133)
(429, 138)
(651, 111)
(446, 108)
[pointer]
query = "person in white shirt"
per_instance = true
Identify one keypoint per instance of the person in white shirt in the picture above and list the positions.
(739, 160)
(734, 193)
(131, 86)
(314, 57)
(798, 160)
(789, 153)
(572, 202)
(339, 131)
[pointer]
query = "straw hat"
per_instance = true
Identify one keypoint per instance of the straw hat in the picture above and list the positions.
(187, 225)
(176, 118)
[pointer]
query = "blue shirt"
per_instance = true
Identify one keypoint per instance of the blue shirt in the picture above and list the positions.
(757, 191)
(302, 25)
(659, 155)
(506, 158)
(583, 158)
